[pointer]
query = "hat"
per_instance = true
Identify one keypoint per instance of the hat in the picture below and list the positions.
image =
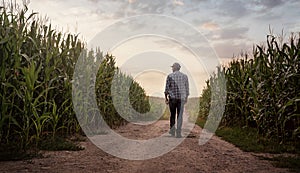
(177, 65)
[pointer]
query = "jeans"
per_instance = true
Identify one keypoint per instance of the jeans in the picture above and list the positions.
(176, 107)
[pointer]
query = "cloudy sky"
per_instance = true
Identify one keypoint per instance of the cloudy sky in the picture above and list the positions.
(146, 51)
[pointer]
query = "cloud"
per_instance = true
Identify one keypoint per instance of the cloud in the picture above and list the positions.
(232, 8)
(178, 2)
(150, 7)
(229, 49)
(230, 41)
(229, 33)
(275, 10)
(131, 1)
(268, 4)
(210, 26)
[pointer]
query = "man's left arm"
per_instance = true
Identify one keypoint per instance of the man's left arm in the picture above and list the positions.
(187, 89)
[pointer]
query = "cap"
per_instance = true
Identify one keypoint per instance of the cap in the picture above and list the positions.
(176, 65)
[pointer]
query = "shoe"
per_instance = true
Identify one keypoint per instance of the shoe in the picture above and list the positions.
(178, 136)
(172, 132)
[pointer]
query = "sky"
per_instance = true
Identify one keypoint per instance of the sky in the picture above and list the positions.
(147, 36)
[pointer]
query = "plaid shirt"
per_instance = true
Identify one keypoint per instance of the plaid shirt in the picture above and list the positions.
(177, 85)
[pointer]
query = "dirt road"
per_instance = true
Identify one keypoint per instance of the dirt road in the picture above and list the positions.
(215, 156)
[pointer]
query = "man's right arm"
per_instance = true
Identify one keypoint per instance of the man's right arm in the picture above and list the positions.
(166, 97)
(166, 91)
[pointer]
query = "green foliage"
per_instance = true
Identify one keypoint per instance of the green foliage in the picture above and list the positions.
(37, 65)
(36, 77)
(286, 162)
(204, 101)
(248, 140)
(263, 91)
(59, 143)
(126, 92)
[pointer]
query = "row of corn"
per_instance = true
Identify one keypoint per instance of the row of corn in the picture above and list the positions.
(263, 90)
(37, 65)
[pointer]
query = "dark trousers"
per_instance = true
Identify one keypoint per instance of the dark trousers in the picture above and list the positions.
(176, 107)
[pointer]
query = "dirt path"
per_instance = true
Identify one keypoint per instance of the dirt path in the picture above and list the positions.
(215, 156)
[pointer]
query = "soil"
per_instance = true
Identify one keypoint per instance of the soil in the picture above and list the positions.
(215, 156)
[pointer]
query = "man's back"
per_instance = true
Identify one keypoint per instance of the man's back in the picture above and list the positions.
(177, 85)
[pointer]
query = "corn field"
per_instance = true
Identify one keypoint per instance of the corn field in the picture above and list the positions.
(127, 93)
(37, 66)
(263, 91)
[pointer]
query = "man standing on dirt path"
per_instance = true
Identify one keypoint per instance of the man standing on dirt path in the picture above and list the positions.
(176, 94)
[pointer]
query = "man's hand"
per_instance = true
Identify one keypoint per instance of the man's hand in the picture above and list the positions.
(167, 101)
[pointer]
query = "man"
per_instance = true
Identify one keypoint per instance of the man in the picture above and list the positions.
(176, 94)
